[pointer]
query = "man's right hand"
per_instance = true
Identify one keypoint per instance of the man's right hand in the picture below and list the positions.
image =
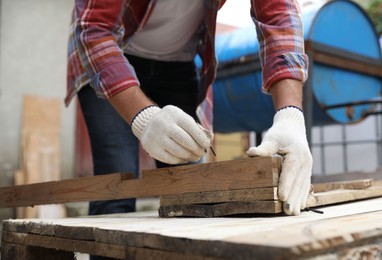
(170, 135)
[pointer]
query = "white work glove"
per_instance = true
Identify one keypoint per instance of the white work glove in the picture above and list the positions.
(287, 137)
(170, 135)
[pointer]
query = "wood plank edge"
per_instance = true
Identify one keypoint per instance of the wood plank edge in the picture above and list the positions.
(346, 185)
(340, 196)
(95, 248)
(220, 209)
(209, 197)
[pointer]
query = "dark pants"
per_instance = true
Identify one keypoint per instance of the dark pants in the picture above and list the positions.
(114, 146)
(168, 83)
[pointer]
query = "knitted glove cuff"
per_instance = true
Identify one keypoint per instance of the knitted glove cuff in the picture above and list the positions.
(293, 115)
(296, 107)
(140, 120)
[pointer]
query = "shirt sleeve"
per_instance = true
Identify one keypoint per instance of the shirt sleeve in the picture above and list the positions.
(281, 38)
(98, 28)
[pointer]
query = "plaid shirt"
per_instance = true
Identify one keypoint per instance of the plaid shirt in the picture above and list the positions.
(101, 28)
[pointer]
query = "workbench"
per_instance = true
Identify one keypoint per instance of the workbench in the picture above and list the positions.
(344, 231)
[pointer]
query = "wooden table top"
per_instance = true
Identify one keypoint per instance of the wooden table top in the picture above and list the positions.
(345, 226)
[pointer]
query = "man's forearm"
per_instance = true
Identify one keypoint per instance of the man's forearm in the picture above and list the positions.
(287, 92)
(129, 102)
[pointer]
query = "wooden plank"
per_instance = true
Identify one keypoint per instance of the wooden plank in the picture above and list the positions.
(219, 176)
(349, 185)
(262, 166)
(338, 196)
(40, 138)
(46, 246)
(317, 237)
(40, 147)
(48, 117)
(81, 189)
(220, 196)
(350, 227)
(221, 209)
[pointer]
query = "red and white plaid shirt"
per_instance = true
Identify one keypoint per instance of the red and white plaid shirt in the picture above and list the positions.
(100, 29)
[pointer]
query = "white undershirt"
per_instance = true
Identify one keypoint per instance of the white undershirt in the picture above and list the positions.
(169, 34)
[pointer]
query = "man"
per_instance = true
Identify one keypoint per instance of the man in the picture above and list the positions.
(132, 65)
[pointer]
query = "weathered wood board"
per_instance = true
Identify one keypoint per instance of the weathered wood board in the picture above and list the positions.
(40, 147)
(348, 231)
(259, 201)
(246, 173)
(40, 139)
(345, 185)
(250, 195)
(221, 209)
(344, 195)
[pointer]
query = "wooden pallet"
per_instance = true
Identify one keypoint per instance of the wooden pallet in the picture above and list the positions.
(347, 231)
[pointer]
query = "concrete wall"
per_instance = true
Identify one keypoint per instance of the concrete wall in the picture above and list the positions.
(33, 44)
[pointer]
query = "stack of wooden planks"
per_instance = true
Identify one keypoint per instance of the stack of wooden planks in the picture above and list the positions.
(241, 188)
(244, 186)
(263, 200)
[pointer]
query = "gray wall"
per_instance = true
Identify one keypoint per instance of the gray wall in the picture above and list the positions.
(33, 44)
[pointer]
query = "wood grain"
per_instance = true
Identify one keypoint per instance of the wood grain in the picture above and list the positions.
(35, 243)
(349, 185)
(221, 209)
(244, 203)
(229, 175)
(40, 146)
(255, 194)
(81, 189)
(220, 196)
(338, 196)
(351, 229)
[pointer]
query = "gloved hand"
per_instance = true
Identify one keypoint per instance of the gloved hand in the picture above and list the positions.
(170, 135)
(287, 137)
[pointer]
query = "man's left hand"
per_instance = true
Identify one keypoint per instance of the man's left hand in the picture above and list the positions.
(287, 137)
